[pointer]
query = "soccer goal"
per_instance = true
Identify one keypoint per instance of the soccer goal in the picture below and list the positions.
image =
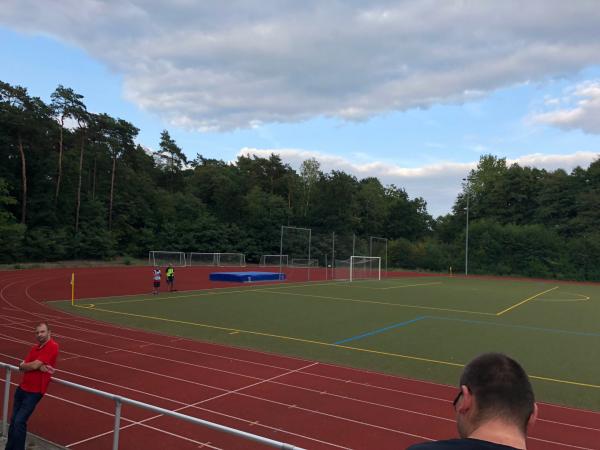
(365, 268)
(217, 259)
(202, 259)
(304, 262)
(273, 260)
(160, 258)
(231, 259)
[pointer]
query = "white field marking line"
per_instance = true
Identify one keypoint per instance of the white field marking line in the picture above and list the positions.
(343, 418)
(316, 391)
(354, 285)
(363, 371)
(559, 443)
(234, 391)
(257, 378)
(71, 402)
(269, 400)
(195, 406)
(66, 359)
(410, 285)
(144, 425)
(303, 388)
(325, 414)
(39, 316)
(200, 293)
(331, 394)
(583, 298)
(15, 322)
(17, 318)
(185, 405)
(260, 380)
(375, 302)
(162, 358)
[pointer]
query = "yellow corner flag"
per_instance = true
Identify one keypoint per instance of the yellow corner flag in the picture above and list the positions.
(73, 289)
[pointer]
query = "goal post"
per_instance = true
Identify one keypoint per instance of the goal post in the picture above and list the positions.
(231, 259)
(202, 259)
(164, 258)
(378, 246)
(365, 268)
(304, 262)
(273, 260)
(296, 243)
(216, 259)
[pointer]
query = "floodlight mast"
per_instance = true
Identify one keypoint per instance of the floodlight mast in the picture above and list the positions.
(468, 180)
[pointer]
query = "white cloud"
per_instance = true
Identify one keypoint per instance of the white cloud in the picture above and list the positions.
(583, 115)
(437, 183)
(220, 65)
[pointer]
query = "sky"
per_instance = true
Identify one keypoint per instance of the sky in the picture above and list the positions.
(411, 92)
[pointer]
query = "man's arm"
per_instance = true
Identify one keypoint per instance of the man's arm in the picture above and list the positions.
(32, 365)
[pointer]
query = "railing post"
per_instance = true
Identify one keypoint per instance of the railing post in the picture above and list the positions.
(5, 403)
(118, 405)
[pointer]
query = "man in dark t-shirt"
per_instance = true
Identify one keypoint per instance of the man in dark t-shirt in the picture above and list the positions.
(494, 407)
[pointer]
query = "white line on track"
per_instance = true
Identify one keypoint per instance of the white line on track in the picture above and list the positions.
(308, 389)
(364, 384)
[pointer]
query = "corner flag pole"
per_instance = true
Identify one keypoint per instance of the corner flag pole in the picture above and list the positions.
(73, 289)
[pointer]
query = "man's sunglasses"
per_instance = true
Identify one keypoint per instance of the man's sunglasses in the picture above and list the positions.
(457, 398)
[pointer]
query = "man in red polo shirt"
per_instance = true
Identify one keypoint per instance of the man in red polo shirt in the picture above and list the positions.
(38, 367)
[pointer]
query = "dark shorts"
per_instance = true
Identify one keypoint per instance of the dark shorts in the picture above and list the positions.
(171, 279)
(157, 284)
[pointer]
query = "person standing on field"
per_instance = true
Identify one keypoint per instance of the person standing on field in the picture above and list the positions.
(38, 368)
(156, 274)
(170, 273)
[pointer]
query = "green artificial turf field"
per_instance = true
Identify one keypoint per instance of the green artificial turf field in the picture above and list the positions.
(425, 327)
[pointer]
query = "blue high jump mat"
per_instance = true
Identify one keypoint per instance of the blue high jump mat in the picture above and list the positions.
(246, 277)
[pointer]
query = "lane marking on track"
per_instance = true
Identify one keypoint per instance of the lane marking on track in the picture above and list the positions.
(335, 395)
(326, 344)
(256, 422)
(522, 302)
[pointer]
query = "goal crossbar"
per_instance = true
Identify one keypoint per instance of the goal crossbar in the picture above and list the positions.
(365, 267)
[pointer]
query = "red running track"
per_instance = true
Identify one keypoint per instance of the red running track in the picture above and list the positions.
(305, 403)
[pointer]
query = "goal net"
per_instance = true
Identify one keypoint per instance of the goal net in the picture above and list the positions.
(161, 258)
(304, 262)
(273, 260)
(365, 268)
(202, 259)
(231, 259)
(296, 243)
(217, 259)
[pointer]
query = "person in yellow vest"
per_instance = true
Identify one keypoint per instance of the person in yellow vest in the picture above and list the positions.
(170, 272)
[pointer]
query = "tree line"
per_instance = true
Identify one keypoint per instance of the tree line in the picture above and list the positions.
(75, 185)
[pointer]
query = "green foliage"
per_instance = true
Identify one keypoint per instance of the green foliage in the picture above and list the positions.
(101, 195)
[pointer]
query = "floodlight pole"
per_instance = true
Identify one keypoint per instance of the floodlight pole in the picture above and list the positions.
(468, 180)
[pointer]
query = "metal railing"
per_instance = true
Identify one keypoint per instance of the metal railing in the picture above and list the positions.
(119, 401)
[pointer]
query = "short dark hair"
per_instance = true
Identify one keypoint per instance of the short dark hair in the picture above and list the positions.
(501, 389)
(43, 322)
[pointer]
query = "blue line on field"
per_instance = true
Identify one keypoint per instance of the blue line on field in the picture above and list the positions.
(380, 330)
(523, 327)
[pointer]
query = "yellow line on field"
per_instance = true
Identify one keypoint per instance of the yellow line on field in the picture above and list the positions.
(325, 344)
(525, 301)
(374, 302)
(209, 292)
(574, 383)
(278, 290)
